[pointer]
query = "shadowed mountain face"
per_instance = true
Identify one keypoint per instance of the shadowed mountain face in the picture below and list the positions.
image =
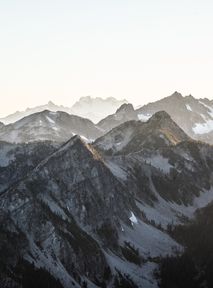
(195, 264)
(55, 210)
(194, 116)
(47, 125)
(17, 160)
(99, 215)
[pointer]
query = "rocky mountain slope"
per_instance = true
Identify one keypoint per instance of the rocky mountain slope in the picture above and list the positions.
(46, 125)
(57, 209)
(159, 130)
(17, 160)
(194, 116)
(124, 113)
(100, 215)
(161, 150)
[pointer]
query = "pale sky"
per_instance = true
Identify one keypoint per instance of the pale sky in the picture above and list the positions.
(141, 50)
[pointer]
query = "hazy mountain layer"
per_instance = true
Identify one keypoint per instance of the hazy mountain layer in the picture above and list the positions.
(94, 109)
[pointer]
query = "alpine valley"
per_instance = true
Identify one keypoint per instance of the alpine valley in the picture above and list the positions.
(125, 202)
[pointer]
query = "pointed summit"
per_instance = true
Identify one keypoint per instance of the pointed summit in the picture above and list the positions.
(74, 150)
(124, 113)
(125, 108)
(159, 116)
(177, 95)
(164, 126)
(51, 104)
(73, 140)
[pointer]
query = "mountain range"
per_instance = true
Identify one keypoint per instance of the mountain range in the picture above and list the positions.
(120, 203)
(100, 214)
(194, 116)
(87, 107)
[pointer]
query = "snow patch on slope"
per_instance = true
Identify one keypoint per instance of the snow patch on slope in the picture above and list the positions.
(5, 158)
(50, 120)
(207, 126)
(53, 206)
(209, 108)
(150, 241)
(159, 162)
(203, 128)
(141, 276)
(133, 219)
(116, 170)
(165, 213)
(144, 117)
(188, 107)
(54, 266)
